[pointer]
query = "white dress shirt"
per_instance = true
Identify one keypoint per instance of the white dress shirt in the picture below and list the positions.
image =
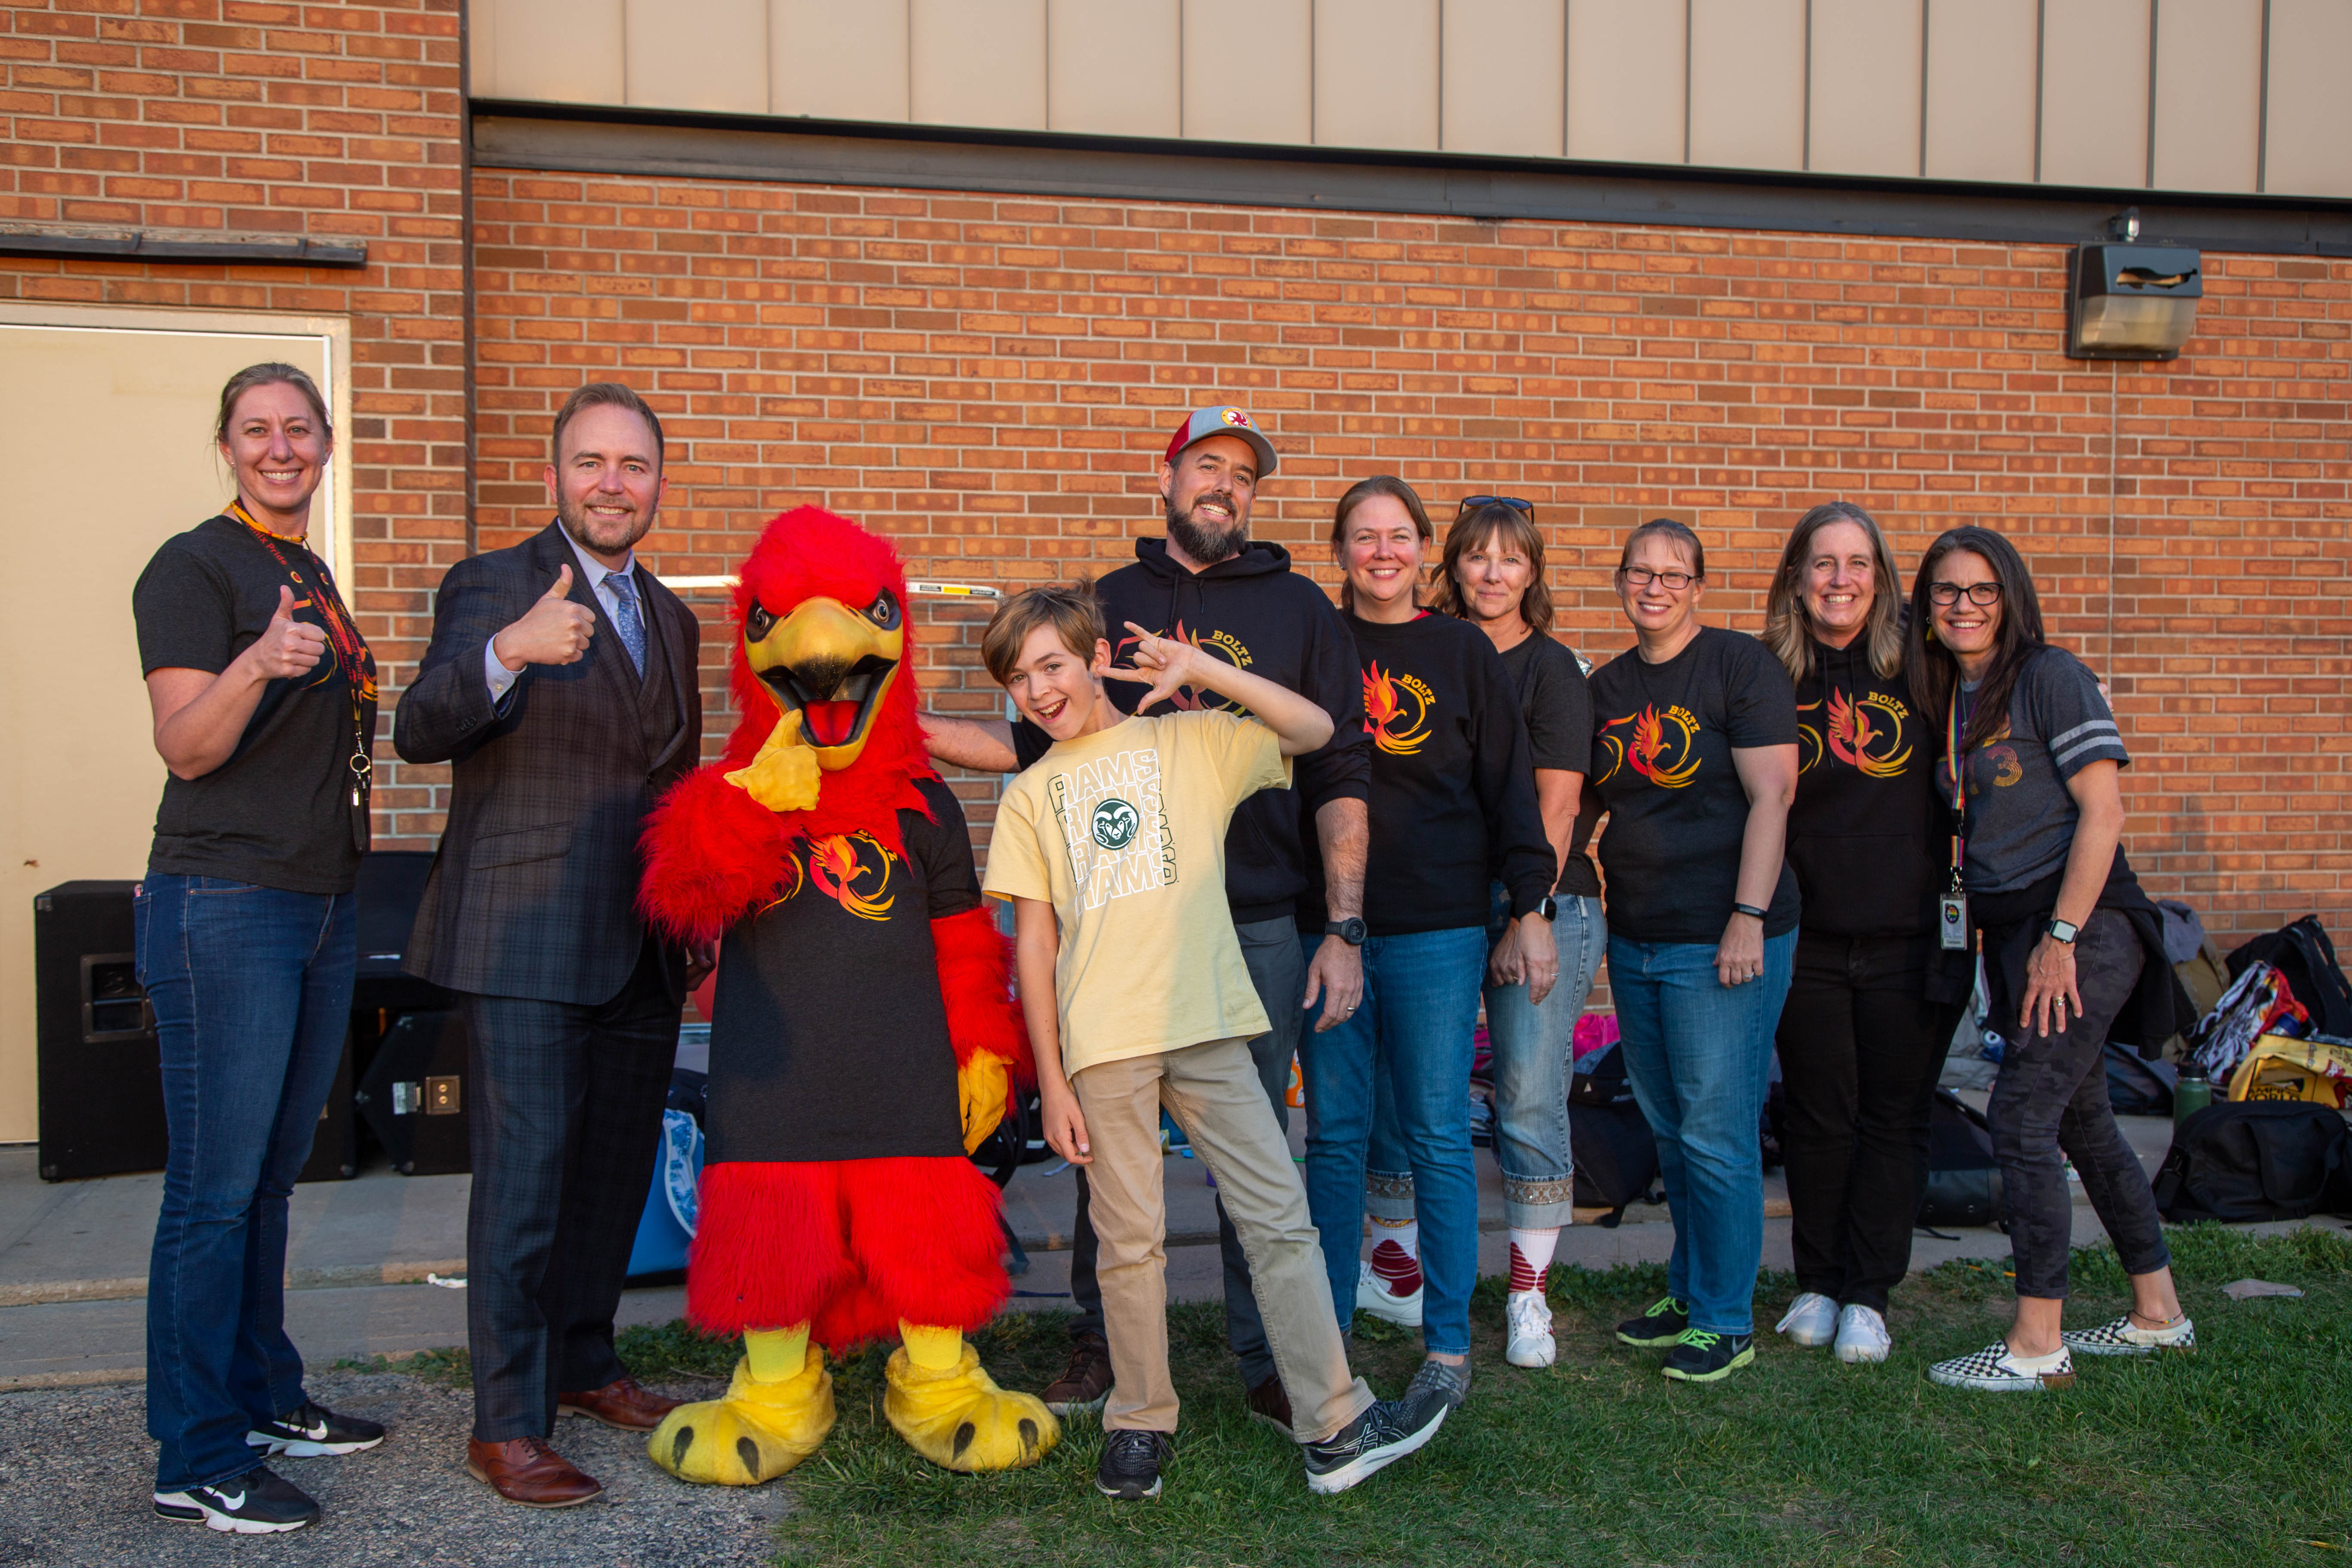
(502, 679)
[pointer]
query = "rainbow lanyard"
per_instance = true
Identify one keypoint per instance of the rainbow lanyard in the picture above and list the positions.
(1960, 787)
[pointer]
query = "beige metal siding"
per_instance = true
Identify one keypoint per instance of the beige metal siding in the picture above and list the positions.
(1115, 68)
(1376, 73)
(2094, 92)
(1748, 83)
(833, 61)
(1865, 86)
(977, 62)
(1249, 70)
(2308, 148)
(1502, 82)
(2209, 94)
(570, 52)
(1627, 73)
(697, 54)
(1980, 120)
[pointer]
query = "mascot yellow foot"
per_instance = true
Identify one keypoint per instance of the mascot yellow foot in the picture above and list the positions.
(952, 1413)
(762, 1428)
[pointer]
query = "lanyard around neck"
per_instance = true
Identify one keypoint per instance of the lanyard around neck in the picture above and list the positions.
(1958, 759)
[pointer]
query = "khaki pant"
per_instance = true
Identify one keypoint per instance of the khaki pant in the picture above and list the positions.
(1211, 1089)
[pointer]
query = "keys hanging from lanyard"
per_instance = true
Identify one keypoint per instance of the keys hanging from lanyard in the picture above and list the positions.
(1952, 908)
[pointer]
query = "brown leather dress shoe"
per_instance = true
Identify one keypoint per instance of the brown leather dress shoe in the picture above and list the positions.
(625, 1403)
(1269, 1402)
(526, 1470)
(1086, 1383)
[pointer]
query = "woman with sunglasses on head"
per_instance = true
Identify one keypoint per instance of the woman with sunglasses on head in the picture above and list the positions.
(1875, 992)
(2073, 950)
(1493, 578)
(1452, 804)
(1695, 760)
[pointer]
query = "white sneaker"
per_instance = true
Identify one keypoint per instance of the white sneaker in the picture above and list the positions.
(1373, 1296)
(2124, 1337)
(1812, 1319)
(1861, 1335)
(1997, 1369)
(1531, 1343)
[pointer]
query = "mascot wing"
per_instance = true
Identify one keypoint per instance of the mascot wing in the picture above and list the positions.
(712, 854)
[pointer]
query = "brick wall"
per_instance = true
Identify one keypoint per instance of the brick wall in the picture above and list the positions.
(338, 122)
(990, 380)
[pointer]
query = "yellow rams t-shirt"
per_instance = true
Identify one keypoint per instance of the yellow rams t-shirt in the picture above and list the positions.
(1123, 832)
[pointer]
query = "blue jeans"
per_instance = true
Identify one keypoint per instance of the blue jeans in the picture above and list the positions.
(1533, 1047)
(1409, 1041)
(252, 992)
(1698, 1054)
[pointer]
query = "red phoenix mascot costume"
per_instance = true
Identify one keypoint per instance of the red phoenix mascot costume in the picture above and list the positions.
(863, 1037)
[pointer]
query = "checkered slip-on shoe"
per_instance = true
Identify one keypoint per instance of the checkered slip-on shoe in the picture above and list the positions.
(2124, 1337)
(1996, 1369)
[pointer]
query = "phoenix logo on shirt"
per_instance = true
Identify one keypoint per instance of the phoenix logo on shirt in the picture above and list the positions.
(1224, 643)
(839, 864)
(1852, 739)
(1662, 749)
(1396, 710)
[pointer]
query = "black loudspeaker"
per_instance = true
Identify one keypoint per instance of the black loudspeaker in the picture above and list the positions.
(390, 890)
(335, 1150)
(413, 1095)
(101, 1085)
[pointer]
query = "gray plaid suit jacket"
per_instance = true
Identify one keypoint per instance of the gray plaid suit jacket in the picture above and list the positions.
(534, 893)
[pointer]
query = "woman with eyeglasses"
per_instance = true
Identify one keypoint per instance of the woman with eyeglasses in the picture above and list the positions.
(1694, 761)
(1452, 805)
(2073, 950)
(1875, 994)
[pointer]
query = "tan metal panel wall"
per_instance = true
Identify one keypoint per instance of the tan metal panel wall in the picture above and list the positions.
(2094, 92)
(697, 54)
(1626, 81)
(977, 62)
(1115, 68)
(1865, 86)
(1981, 104)
(1502, 87)
(837, 62)
(1376, 73)
(549, 51)
(1249, 70)
(2308, 148)
(2209, 94)
(1748, 83)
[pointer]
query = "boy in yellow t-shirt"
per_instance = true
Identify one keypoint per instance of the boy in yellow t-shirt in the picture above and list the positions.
(1111, 848)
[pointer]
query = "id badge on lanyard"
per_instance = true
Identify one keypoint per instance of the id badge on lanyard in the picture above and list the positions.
(1952, 908)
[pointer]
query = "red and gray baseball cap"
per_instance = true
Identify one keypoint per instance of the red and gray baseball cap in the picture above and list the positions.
(1222, 419)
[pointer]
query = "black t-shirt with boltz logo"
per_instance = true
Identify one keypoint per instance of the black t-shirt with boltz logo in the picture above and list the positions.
(1663, 735)
(818, 1062)
(1869, 844)
(1453, 799)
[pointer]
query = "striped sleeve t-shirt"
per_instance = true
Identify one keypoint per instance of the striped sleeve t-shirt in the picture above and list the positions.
(2021, 818)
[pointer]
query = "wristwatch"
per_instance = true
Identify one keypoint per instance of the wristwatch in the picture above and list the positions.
(1549, 909)
(2062, 932)
(1350, 931)
(1750, 909)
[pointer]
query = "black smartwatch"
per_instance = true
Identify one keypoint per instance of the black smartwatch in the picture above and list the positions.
(2061, 932)
(1549, 909)
(1751, 909)
(1350, 931)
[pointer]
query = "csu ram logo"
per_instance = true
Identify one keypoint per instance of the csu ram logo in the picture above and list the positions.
(1115, 824)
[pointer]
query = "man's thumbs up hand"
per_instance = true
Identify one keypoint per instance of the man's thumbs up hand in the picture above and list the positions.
(286, 648)
(552, 631)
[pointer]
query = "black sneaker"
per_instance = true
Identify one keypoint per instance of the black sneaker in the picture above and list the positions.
(1702, 1356)
(1665, 1323)
(314, 1432)
(256, 1503)
(1386, 1432)
(1436, 1386)
(1129, 1470)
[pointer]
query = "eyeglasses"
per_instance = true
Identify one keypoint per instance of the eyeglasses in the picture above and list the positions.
(1641, 577)
(1978, 592)
(1514, 502)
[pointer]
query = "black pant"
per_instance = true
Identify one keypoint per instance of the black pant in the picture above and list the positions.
(1861, 1048)
(566, 1123)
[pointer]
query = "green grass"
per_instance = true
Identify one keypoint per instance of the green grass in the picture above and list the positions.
(2237, 1456)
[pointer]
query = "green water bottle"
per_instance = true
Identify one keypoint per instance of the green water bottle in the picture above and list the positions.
(2192, 1094)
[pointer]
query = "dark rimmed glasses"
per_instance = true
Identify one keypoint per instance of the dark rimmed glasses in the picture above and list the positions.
(1468, 502)
(1979, 594)
(1641, 577)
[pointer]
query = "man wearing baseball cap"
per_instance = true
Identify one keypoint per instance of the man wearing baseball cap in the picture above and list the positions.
(1209, 584)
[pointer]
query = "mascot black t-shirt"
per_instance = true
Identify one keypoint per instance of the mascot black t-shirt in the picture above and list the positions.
(1663, 735)
(819, 1063)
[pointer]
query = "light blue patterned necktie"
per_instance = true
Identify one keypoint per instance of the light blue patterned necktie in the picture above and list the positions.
(625, 616)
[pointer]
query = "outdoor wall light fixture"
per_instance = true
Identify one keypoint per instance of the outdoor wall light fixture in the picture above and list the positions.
(2132, 301)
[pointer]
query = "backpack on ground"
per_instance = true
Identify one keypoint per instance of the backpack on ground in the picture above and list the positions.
(2257, 1160)
(2137, 1087)
(2302, 953)
(1616, 1157)
(1961, 1184)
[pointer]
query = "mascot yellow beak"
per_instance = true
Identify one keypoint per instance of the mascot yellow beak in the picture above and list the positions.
(830, 664)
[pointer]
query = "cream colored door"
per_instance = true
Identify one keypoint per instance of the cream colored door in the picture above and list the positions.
(108, 415)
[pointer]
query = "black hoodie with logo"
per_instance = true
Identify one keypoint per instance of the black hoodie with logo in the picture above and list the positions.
(1255, 612)
(1868, 841)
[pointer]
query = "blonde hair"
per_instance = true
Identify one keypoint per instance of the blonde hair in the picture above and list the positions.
(1788, 631)
(1070, 608)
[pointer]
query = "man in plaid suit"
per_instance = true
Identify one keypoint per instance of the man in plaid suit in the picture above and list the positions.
(560, 683)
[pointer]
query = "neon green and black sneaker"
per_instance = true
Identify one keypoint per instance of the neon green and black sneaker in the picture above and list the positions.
(1665, 1323)
(1702, 1355)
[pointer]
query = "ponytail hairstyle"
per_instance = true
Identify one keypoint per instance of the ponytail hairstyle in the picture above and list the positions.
(1360, 492)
